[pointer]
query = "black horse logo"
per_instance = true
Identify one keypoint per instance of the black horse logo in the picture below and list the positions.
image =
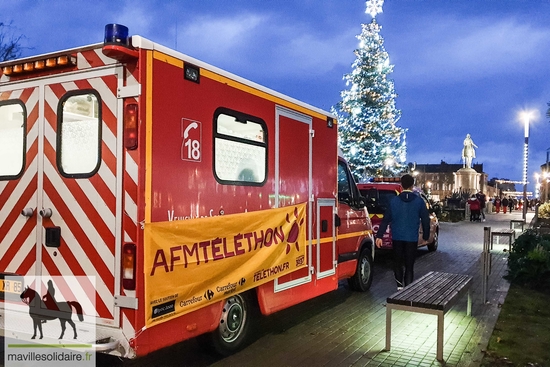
(45, 309)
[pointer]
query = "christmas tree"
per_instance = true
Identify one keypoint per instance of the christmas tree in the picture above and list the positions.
(369, 138)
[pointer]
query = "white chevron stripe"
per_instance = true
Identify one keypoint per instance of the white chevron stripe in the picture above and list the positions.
(106, 60)
(108, 177)
(106, 94)
(81, 62)
(127, 327)
(98, 203)
(109, 138)
(12, 200)
(88, 305)
(27, 247)
(130, 207)
(131, 168)
(32, 101)
(16, 94)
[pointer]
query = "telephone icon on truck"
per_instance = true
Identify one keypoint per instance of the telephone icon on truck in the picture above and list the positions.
(191, 143)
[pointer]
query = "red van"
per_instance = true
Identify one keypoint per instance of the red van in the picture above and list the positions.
(378, 196)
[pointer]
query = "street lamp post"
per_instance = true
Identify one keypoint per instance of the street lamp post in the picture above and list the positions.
(526, 117)
(537, 185)
(546, 176)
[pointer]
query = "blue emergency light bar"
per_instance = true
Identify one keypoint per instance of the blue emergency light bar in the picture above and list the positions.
(116, 34)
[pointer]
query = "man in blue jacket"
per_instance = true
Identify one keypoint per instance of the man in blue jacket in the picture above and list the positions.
(404, 214)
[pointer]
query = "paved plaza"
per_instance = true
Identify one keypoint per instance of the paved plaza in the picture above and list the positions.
(346, 328)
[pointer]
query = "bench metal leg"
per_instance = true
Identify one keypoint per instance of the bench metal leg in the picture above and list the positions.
(440, 327)
(469, 307)
(388, 327)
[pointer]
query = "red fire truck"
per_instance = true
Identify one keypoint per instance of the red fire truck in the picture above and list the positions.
(193, 196)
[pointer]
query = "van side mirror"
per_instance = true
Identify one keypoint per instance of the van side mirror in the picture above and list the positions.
(344, 197)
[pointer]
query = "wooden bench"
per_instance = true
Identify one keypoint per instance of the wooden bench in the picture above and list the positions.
(504, 232)
(513, 223)
(435, 293)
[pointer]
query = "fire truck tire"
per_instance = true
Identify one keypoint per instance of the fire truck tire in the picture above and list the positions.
(433, 246)
(235, 327)
(362, 279)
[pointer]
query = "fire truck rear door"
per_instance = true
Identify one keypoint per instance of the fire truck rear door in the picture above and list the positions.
(72, 182)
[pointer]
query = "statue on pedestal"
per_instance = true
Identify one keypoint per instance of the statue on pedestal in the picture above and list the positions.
(468, 152)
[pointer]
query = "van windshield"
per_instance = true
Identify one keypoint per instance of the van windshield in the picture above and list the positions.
(384, 197)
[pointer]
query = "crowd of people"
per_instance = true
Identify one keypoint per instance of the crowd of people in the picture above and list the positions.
(478, 203)
(509, 204)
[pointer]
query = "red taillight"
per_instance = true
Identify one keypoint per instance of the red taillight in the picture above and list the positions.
(131, 126)
(129, 266)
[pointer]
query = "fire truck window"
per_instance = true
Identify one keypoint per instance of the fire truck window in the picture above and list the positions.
(12, 139)
(79, 132)
(343, 180)
(240, 150)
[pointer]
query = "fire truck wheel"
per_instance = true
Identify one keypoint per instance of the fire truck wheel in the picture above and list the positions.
(235, 327)
(362, 279)
(433, 246)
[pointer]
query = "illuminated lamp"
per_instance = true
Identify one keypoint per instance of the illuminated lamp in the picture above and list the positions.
(28, 66)
(63, 60)
(18, 68)
(129, 266)
(131, 126)
(51, 62)
(7, 70)
(39, 64)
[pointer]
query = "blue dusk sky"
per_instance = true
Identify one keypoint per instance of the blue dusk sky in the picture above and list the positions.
(460, 66)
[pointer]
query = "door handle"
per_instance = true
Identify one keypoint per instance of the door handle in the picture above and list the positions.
(27, 212)
(46, 213)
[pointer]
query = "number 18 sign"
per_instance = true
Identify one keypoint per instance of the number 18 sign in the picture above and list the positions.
(191, 133)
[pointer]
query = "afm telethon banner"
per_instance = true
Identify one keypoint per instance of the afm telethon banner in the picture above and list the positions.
(193, 263)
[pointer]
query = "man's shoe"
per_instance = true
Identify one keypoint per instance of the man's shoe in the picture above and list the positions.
(399, 288)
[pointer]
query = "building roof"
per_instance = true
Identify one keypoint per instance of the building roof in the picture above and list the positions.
(444, 167)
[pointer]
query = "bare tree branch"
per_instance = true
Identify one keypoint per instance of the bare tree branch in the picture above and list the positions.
(10, 44)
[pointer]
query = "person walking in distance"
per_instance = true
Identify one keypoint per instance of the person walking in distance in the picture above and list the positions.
(404, 214)
(504, 204)
(497, 204)
(482, 203)
(511, 204)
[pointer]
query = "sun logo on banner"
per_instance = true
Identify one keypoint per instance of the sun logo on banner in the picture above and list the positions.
(294, 231)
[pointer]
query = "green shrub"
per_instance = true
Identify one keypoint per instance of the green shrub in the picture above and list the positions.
(544, 211)
(529, 261)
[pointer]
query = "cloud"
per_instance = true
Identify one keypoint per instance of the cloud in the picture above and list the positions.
(479, 47)
(238, 44)
(135, 17)
(216, 38)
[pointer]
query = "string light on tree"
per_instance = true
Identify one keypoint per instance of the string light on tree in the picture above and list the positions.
(367, 115)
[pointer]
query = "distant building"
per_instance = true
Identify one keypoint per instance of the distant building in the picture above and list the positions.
(439, 179)
(543, 187)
